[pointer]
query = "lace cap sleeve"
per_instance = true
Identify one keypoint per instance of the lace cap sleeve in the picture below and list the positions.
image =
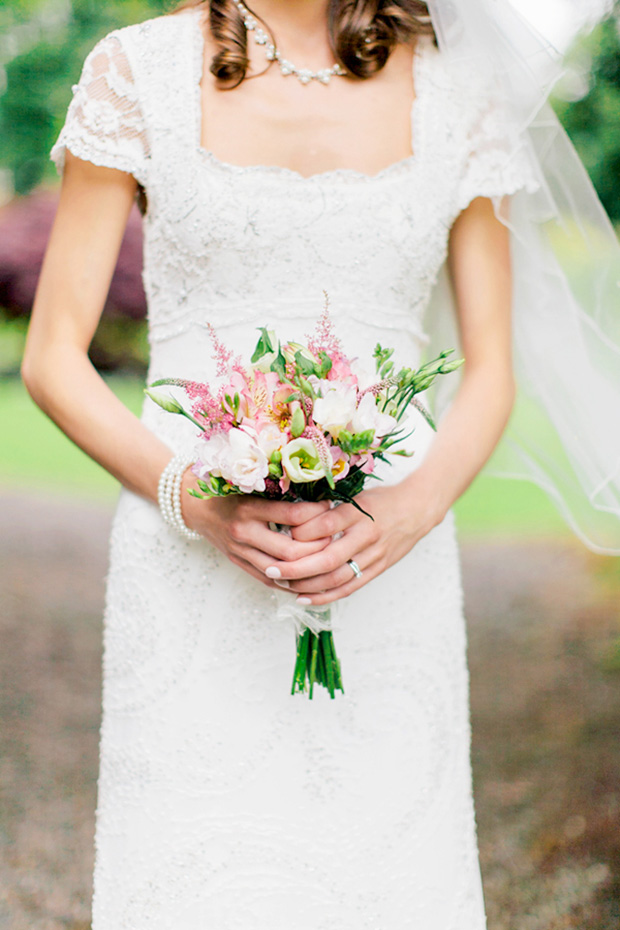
(105, 123)
(496, 160)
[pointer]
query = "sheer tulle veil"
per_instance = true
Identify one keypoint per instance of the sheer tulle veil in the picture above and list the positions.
(565, 430)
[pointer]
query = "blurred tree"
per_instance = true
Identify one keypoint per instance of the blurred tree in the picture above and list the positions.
(44, 45)
(593, 121)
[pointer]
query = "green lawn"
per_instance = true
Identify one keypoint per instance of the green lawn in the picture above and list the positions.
(35, 454)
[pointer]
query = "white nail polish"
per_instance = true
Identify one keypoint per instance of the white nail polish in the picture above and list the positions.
(303, 601)
(273, 572)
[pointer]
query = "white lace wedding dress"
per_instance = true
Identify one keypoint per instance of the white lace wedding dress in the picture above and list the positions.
(224, 802)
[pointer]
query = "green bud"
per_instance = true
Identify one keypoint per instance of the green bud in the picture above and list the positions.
(452, 366)
(164, 401)
(276, 457)
(275, 471)
(365, 438)
(298, 423)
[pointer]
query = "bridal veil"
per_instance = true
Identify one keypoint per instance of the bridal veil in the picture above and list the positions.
(565, 430)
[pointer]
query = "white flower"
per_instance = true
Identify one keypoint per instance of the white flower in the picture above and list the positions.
(269, 438)
(334, 411)
(369, 416)
(208, 455)
(243, 463)
(300, 461)
(365, 379)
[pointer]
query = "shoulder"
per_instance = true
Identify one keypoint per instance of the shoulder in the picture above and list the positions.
(459, 82)
(158, 35)
(461, 98)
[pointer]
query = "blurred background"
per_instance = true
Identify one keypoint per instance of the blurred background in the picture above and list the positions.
(543, 612)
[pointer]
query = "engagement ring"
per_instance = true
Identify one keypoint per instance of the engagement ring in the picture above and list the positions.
(354, 568)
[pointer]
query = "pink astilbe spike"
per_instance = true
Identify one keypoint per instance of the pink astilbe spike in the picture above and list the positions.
(377, 388)
(222, 355)
(324, 338)
(322, 446)
(207, 408)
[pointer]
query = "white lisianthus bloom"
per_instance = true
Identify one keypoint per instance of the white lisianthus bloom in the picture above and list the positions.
(208, 456)
(369, 416)
(334, 411)
(243, 463)
(300, 461)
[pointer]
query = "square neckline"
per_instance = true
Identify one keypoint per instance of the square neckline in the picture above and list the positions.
(395, 169)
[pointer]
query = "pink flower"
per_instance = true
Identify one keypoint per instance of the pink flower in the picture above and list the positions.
(341, 370)
(365, 462)
(340, 467)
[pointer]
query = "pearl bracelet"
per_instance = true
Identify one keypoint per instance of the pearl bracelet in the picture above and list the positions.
(169, 495)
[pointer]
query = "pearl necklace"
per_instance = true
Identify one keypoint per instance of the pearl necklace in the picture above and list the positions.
(304, 75)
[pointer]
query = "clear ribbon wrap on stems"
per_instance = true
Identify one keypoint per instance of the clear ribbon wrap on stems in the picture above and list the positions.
(566, 271)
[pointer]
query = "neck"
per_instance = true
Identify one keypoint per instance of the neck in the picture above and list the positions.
(296, 15)
(298, 26)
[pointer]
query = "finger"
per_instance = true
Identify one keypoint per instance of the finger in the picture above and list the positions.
(328, 524)
(276, 545)
(328, 560)
(350, 587)
(251, 570)
(338, 578)
(288, 513)
(255, 557)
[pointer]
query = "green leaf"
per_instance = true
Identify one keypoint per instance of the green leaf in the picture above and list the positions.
(304, 365)
(279, 365)
(326, 364)
(263, 346)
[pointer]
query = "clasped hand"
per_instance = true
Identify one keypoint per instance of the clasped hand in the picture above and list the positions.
(313, 562)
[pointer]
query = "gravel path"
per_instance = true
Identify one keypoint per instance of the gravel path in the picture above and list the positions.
(544, 621)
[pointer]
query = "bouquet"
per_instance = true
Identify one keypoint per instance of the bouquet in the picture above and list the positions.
(301, 422)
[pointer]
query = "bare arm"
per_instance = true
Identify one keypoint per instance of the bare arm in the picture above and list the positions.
(79, 263)
(479, 261)
(78, 266)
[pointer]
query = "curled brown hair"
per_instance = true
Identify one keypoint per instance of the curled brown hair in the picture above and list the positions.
(362, 33)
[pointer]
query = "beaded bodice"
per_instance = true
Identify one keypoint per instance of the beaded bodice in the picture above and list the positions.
(239, 247)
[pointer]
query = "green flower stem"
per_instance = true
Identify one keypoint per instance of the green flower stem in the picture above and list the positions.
(325, 638)
(316, 663)
(314, 645)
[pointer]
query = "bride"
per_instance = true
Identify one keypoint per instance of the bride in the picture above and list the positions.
(297, 147)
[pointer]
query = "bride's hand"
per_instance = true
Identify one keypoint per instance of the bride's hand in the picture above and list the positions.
(239, 526)
(401, 518)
